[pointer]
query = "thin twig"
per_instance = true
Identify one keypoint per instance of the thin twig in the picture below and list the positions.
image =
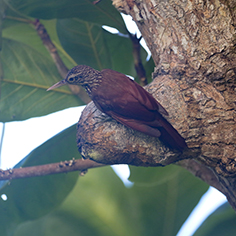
(62, 69)
(137, 59)
(48, 169)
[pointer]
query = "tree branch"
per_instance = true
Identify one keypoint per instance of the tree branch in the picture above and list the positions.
(54, 168)
(203, 172)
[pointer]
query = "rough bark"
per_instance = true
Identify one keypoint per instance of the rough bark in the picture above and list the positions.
(194, 48)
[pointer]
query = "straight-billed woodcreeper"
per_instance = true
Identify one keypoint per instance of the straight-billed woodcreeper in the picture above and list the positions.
(127, 102)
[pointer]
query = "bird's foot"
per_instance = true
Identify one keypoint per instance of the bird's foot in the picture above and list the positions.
(103, 118)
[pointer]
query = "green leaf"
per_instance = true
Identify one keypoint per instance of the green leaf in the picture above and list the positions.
(149, 68)
(84, 42)
(90, 44)
(51, 27)
(32, 198)
(178, 194)
(120, 51)
(153, 175)
(220, 222)
(2, 15)
(27, 75)
(59, 224)
(102, 13)
(101, 205)
(28, 71)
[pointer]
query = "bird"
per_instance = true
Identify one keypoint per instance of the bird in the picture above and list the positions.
(121, 98)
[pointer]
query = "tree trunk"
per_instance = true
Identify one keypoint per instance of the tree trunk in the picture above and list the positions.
(193, 46)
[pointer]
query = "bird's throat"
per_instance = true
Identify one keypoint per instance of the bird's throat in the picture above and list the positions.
(91, 86)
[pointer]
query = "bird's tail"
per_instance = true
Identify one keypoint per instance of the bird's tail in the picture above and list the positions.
(170, 136)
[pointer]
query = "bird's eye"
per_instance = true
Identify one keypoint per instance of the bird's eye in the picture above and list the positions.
(71, 79)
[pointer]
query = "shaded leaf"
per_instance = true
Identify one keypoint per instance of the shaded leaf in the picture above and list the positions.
(51, 28)
(60, 224)
(84, 42)
(220, 222)
(28, 72)
(120, 50)
(103, 13)
(3, 7)
(101, 205)
(153, 175)
(31, 198)
(90, 44)
(22, 30)
(24, 34)
(149, 68)
(178, 191)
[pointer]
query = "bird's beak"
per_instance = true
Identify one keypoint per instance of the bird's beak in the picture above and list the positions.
(57, 85)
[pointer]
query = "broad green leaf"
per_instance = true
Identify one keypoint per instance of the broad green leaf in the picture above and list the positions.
(149, 68)
(22, 29)
(102, 13)
(25, 34)
(220, 223)
(90, 44)
(120, 51)
(143, 176)
(51, 27)
(181, 190)
(59, 224)
(27, 74)
(31, 198)
(2, 15)
(101, 205)
(84, 42)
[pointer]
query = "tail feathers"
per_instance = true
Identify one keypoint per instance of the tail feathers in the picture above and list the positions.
(170, 136)
(159, 128)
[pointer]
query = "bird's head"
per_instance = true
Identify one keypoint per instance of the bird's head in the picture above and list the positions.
(78, 75)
